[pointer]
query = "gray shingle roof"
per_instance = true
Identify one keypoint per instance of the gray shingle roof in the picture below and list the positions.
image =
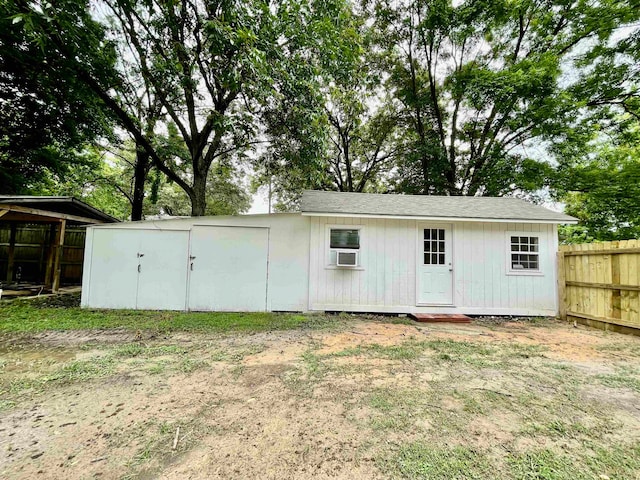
(490, 208)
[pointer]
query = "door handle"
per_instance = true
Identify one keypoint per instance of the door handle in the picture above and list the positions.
(192, 266)
(139, 269)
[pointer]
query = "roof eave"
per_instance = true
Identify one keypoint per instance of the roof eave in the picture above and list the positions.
(441, 219)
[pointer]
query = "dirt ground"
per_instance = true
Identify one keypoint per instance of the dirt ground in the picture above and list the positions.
(370, 398)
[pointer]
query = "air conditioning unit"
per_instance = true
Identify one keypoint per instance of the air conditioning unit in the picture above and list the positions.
(347, 259)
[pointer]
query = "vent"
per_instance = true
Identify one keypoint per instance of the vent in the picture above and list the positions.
(347, 259)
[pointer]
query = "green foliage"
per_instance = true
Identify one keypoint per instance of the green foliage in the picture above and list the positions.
(47, 114)
(425, 97)
(95, 181)
(479, 81)
(225, 195)
(602, 188)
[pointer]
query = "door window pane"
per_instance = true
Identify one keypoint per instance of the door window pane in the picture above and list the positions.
(434, 246)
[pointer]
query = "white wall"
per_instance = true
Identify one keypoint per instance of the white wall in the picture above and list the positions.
(288, 255)
(301, 279)
(386, 281)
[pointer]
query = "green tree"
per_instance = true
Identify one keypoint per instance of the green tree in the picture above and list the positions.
(47, 115)
(206, 64)
(103, 184)
(331, 125)
(479, 82)
(602, 189)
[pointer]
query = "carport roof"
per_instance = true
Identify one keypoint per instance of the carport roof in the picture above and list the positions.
(427, 207)
(28, 208)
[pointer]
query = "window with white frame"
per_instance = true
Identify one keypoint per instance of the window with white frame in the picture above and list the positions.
(524, 253)
(344, 245)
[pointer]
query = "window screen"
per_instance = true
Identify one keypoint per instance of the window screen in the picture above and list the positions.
(345, 238)
(525, 253)
(434, 246)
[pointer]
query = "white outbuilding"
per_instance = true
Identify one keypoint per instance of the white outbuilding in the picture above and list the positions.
(352, 252)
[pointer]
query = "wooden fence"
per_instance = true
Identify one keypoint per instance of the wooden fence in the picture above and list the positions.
(32, 243)
(599, 284)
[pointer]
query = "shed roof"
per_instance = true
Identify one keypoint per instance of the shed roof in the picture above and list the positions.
(428, 206)
(50, 208)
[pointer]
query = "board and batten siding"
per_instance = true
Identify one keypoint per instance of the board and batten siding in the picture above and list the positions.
(386, 278)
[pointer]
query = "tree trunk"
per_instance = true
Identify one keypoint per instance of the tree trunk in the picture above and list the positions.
(198, 196)
(139, 179)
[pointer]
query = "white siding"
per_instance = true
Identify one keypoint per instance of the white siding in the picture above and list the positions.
(300, 278)
(386, 280)
(288, 273)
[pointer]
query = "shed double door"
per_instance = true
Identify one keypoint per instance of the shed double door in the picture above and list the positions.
(228, 268)
(144, 269)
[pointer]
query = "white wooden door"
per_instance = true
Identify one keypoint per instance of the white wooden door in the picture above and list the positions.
(163, 260)
(435, 269)
(113, 279)
(228, 270)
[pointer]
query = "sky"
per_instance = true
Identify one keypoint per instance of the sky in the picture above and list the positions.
(260, 203)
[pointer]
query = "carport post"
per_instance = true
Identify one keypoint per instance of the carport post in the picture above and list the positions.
(12, 252)
(48, 274)
(58, 256)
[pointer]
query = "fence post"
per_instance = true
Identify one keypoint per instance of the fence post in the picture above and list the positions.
(12, 252)
(562, 287)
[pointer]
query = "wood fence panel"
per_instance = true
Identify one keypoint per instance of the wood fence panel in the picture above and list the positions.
(599, 283)
(31, 248)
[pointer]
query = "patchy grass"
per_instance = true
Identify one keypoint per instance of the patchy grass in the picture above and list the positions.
(420, 460)
(544, 465)
(595, 462)
(404, 351)
(27, 316)
(477, 354)
(77, 371)
(624, 378)
(237, 354)
(412, 406)
(426, 461)
(146, 351)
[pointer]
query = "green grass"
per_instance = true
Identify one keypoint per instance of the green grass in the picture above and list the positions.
(619, 462)
(544, 465)
(27, 316)
(428, 461)
(419, 460)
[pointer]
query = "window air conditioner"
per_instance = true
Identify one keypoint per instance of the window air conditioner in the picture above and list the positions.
(347, 259)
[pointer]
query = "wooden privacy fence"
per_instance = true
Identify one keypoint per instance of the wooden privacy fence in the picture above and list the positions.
(30, 253)
(599, 284)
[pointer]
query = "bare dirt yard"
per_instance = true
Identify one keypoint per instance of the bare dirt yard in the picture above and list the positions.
(344, 397)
